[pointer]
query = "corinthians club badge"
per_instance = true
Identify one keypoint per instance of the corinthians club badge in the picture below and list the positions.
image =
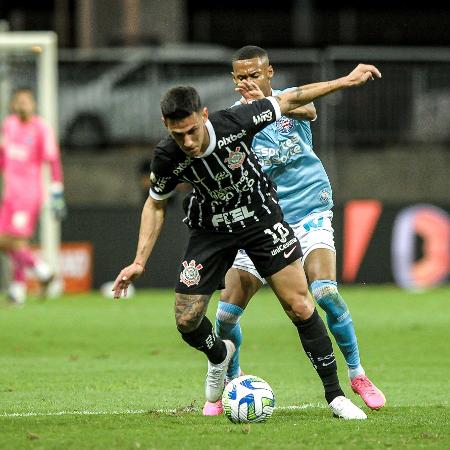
(190, 275)
(235, 158)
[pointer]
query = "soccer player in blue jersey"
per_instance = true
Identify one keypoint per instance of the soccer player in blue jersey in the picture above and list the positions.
(285, 152)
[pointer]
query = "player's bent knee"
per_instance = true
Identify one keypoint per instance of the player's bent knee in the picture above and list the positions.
(302, 312)
(300, 308)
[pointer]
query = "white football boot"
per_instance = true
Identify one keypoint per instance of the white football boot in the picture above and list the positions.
(343, 408)
(45, 277)
(17, 293)
(215, 377)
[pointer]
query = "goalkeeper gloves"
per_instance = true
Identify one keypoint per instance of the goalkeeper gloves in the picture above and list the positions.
(58, 204)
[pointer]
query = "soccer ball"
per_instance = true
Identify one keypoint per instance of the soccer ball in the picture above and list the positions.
(248, 399)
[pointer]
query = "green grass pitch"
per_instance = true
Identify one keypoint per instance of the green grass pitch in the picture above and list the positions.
(85, 372)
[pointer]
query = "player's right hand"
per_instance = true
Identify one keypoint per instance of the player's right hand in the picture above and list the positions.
(249, 90)
(361, 74)
(125, 277)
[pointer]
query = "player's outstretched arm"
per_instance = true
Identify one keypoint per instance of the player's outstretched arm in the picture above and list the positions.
(306, 112)
(152, 220)
(306, 94)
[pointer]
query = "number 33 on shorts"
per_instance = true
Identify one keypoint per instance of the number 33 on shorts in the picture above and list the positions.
(279, 234)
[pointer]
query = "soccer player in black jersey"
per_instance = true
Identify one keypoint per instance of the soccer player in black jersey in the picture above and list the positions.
(233, 205)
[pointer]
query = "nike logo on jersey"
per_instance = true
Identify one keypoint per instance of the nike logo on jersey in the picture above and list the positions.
(289, 253)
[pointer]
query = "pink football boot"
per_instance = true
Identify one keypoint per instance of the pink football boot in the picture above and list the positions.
(213, 409)
(371, 395)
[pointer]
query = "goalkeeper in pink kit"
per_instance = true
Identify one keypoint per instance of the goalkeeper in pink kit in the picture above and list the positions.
(27, 143)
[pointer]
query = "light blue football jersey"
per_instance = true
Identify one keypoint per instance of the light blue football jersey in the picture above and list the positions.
(285, 151)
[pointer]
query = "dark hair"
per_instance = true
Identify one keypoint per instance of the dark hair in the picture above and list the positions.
(249, 52)
(180, 102)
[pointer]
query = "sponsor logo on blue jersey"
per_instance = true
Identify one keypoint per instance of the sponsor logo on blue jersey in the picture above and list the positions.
(313, 223)
(286, 150)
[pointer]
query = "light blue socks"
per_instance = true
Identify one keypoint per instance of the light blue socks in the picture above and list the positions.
(228, 327)
(339, 322)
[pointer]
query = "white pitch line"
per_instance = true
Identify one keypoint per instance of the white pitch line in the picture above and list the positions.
(305, 406)
(141, 411)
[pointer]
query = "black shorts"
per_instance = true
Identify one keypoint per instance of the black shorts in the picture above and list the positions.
(270, 244)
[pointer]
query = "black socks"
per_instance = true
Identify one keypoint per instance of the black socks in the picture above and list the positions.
(317, 345)
(204, 339)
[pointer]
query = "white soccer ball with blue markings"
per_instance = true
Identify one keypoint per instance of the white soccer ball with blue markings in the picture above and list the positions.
(248, 399)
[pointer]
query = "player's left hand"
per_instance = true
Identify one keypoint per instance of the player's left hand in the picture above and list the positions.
(124, 279)
(58, 205)
(249, 90)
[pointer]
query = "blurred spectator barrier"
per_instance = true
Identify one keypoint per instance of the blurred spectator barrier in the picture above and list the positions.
(412, 242)
(76, 266)
(407, 244)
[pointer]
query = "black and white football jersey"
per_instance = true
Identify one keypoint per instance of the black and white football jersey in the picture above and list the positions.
(230, 190)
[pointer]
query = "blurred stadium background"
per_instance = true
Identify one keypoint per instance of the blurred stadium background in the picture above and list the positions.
(386, 148)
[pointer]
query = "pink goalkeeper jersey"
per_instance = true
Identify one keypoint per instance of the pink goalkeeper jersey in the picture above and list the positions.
(23, 150)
